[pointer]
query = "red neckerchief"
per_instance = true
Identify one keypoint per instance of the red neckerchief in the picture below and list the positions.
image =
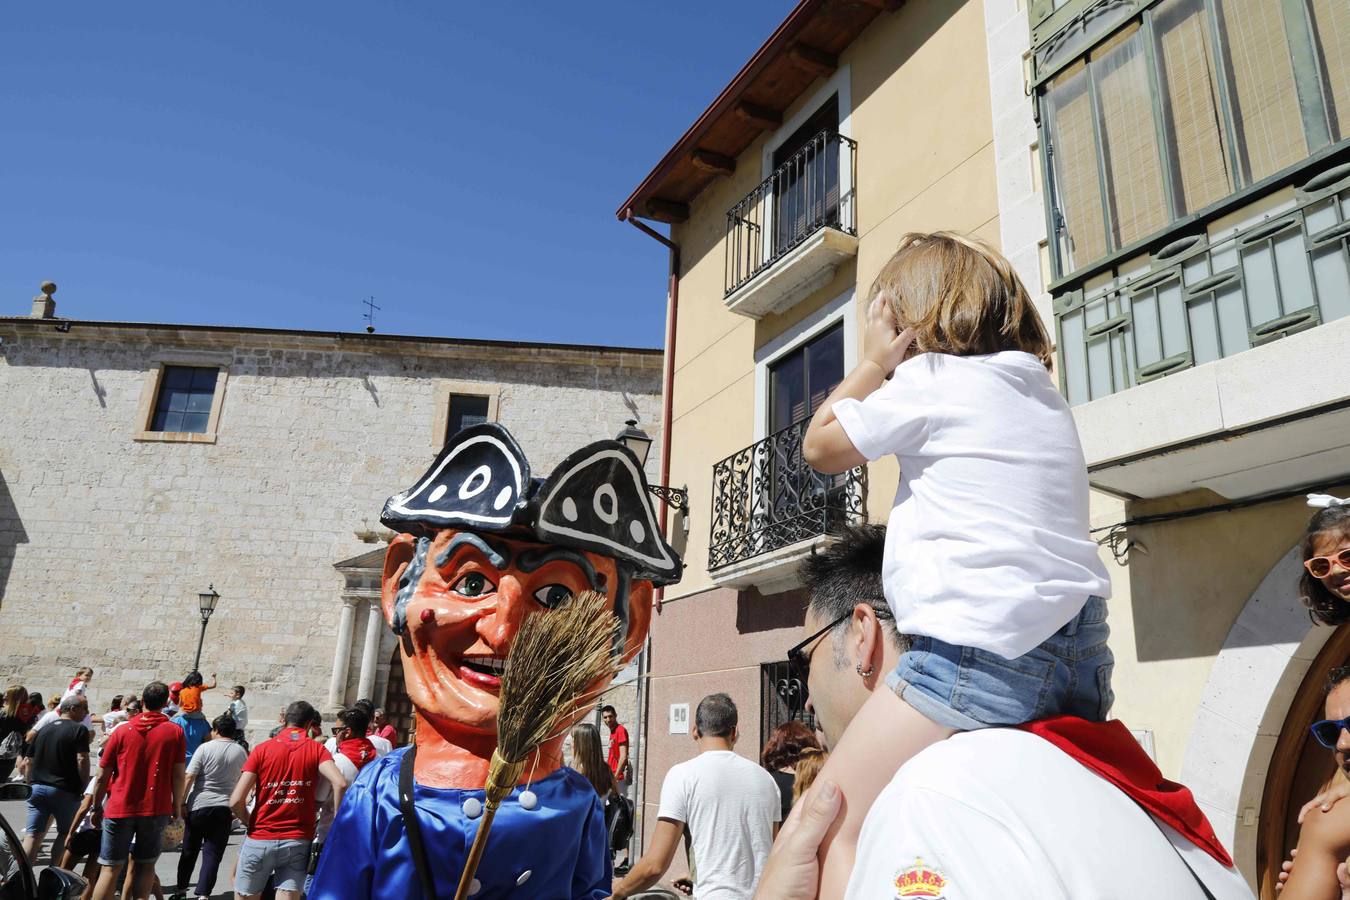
(359, 750)
(1109, 749)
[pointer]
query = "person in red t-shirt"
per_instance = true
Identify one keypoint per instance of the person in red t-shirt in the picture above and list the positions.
(618, 749)
(142, 777)
(285, 771)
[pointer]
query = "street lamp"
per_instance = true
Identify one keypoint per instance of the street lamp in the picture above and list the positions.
(206, 601)
(640, 443)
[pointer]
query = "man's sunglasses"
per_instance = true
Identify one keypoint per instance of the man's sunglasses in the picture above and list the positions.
(1328, 731)
(799, 658)
(1320, 566)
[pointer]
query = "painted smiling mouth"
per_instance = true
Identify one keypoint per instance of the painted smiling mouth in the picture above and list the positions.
(485, 665)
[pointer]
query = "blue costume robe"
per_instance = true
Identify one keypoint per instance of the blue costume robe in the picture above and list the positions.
(562, 843)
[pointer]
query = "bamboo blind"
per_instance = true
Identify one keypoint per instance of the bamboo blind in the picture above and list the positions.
(1331, 19)
(1267, 109)
(1075, 166)
(1130, 142)
(1186, 59)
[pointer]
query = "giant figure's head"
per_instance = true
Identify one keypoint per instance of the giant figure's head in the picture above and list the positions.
(482, 545)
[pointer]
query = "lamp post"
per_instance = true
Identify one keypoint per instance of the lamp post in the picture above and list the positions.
(640, 443)
(206, 602)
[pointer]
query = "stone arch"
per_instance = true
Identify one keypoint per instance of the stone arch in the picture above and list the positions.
(1251, 686)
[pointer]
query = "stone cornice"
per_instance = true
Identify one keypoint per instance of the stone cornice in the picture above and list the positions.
(230, 337)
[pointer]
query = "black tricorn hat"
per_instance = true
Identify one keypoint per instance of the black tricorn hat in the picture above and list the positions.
(596, 499)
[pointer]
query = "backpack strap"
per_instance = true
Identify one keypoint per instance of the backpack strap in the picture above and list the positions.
(412, 826)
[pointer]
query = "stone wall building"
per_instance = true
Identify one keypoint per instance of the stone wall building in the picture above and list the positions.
(141, 463)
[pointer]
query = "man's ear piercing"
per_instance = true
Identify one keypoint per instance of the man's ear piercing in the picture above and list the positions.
(868, 674)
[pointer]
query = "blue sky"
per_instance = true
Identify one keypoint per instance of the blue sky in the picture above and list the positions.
(273, 164)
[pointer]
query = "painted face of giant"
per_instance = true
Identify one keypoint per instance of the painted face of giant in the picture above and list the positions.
(472, 593)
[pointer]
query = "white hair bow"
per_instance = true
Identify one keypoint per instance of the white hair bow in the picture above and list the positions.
(1323, 501)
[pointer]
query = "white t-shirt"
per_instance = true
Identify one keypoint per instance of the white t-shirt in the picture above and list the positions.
(323, 795)
(1004, 813)
(729, 805)
(988, 543)
(381, 745)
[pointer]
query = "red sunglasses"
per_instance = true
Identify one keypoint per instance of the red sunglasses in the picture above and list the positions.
(1320, 566)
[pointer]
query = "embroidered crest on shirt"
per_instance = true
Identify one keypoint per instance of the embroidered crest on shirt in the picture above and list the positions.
(920, 881)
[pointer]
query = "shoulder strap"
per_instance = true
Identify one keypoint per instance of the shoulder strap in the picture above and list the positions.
(412, 826)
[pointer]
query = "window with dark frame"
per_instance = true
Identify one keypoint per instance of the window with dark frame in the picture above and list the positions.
(1184, 105)
(184, 401)
(465, 410)
(806, 169)
(800, 381)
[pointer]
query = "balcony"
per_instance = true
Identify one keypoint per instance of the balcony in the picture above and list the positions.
(1220, 364)
(769, 506)
(785, 239)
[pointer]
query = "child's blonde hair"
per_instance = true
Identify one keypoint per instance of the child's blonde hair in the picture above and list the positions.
(809, 764)
(961, 297)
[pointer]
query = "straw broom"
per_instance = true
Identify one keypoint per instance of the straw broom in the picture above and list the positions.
(557, 659)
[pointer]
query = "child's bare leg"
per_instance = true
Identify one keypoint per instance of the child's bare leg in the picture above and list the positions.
(882, 737)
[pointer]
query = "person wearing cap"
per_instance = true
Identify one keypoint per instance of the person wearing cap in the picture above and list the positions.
(483, 545)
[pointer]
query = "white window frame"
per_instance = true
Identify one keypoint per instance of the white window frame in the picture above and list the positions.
(843, 308)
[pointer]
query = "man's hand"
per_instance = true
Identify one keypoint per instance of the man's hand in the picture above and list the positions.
(884, 344)
(792, 872)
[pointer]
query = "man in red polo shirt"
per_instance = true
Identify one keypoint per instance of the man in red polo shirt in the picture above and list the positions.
(142, 776)
(285, 771)
(618, 748)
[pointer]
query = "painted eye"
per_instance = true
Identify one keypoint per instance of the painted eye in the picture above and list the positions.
(551, 596)
(475, 584)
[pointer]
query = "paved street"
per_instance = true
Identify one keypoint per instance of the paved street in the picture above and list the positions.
(15, 813)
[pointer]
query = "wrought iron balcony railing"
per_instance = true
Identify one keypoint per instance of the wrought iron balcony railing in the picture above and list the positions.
(766, 497)
(811, 190)
(1204, 298)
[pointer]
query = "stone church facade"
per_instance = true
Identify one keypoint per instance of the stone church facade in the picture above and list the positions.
(141, 463)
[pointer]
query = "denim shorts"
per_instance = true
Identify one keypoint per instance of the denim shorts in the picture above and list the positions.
(118, 835)
(260, 860)
(47, 802)
(966, 688)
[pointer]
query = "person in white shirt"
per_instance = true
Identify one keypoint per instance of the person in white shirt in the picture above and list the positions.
(988, 562)
(728, 805)
(997, 812)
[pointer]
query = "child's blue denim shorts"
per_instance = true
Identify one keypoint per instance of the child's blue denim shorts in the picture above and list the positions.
(966, 688)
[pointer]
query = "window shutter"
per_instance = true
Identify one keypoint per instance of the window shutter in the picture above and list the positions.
(1331, 28)
(1262, 76)
(1130, 141)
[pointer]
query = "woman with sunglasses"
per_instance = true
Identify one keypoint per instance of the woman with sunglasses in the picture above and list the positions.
(1325, 585)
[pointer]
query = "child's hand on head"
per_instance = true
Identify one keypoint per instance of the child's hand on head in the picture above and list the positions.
(884, 344)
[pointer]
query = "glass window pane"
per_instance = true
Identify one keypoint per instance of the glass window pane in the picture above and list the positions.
(1147, 330)
(466, 410)
(194, 422)
(1074, 357)
(1130, 142)
(173, 421)
(1233, 334)
(178, 377)
(1173, 313)
(1258, 271)
(1261, 84)
(787, 391)
(204, 379)
(157, 423)
(1077, 190)
(825, 362)
(1296, 290)
(1204, 330)
(176, 400)
(1191, 105)
(1331, 31)
(1333, 281)
(198, 401)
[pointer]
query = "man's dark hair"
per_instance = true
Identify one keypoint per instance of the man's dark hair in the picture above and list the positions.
(715, 716)
(225, 726)
(1336, 676)
(116, 703)
(240, 689)
(300, 714)
(366, 705)
(848, 572)
(608, 709)
(356, 719)
(155, 695)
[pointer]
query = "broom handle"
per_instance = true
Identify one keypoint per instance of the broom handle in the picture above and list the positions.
(475, 852)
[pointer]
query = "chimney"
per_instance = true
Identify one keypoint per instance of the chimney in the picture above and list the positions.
(44, 307)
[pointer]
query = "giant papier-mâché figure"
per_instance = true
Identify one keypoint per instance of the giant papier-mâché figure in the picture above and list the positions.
(481, 546)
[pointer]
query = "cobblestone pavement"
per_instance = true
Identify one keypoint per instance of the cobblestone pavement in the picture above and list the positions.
(15, 813)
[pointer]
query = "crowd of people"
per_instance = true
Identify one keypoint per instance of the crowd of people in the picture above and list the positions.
(153, 773)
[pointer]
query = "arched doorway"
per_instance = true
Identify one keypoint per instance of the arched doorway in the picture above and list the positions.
(398, 708)
(1299, 765)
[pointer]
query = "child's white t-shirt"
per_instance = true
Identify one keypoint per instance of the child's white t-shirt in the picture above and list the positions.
(987, 544)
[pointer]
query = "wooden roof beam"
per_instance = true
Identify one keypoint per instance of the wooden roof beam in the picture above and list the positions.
(810, 59)
(883, 5)
(670, 211)
(710, 161)
(761, 117)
